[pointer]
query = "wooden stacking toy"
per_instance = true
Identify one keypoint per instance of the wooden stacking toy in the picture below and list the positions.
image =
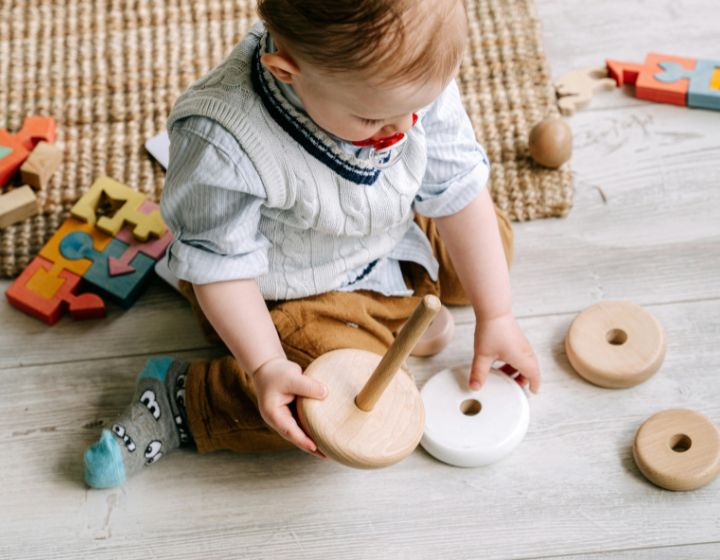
(437, 336)
(373, 415)
(615, 344)
(469, 428)
(678, 449)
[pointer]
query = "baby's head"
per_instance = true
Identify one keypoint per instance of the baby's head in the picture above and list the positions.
(362, 67)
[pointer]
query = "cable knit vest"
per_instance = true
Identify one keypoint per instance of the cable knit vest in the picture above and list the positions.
(327, 213)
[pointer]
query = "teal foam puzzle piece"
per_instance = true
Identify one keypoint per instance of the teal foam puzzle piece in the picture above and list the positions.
(124, 289)
(701, 90)
(4, 151)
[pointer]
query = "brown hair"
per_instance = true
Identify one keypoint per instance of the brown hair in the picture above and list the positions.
(392, 40)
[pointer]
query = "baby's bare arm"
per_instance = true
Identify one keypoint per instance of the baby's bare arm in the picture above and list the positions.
(238, 312)
(473, 243)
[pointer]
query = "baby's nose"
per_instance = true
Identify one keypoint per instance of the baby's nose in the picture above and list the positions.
(402, 124)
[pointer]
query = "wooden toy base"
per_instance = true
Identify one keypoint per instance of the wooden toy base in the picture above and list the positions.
(344, 432)
(678, 449)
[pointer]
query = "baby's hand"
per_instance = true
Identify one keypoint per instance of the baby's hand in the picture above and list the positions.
(278, 383)
(500, 338)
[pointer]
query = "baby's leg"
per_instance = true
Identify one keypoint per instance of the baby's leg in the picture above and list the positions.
(221, 398)
(152, 425)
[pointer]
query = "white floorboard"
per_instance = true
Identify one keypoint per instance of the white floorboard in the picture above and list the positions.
(570, 491)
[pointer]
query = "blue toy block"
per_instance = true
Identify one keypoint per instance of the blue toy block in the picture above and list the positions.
(704, 82)
(123, 289)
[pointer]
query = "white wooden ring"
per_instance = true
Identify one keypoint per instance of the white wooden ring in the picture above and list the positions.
(471, 428)
(615, 344)
(678, 449)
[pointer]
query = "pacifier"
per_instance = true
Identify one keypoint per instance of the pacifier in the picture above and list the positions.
(384, 152)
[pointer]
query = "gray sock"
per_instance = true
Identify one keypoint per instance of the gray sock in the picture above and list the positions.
(152, 425)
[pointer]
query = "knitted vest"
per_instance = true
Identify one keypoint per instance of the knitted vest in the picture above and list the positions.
(327, 212)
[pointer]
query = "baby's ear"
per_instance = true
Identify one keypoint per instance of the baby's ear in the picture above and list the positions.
(280, 65)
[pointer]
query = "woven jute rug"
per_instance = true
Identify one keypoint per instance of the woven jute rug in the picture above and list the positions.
(109, 71)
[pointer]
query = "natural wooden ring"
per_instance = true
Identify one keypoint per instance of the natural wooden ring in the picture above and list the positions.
(678, 449)
(615, 344)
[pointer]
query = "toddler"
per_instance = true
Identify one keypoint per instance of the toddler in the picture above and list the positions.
(321, 181)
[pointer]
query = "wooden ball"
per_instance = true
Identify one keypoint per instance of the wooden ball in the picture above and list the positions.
(550, 142)
(678, 449)
(377, 438)
(615, 344)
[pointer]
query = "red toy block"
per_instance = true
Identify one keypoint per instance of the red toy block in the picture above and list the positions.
(646, 84)
(49, 310)
(15, 148)
(12, 155)
(34, 130)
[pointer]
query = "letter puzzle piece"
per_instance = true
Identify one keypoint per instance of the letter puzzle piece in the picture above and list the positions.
(109, 204)
(575, 89)
(15, 148)
(124, 288)
(49, 309)
(154, 249)
(51, 252)
(671, 79)
(703, 81)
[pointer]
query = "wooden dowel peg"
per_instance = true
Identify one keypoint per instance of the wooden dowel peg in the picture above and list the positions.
(398, 352)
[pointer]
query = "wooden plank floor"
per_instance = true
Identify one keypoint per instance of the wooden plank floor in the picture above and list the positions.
(571, 490)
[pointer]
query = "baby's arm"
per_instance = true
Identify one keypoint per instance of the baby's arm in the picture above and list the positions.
(212, 202)
(473, 243)
(238, 312)
(454, 193)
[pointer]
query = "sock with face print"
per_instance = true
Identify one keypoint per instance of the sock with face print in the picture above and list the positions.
(152, 425)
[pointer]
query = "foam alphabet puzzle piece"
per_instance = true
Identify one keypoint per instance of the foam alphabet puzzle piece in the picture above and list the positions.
(51, 250)
(21, 295)
(647, 86)
(703, 81)
(124, 288)
(109, 204)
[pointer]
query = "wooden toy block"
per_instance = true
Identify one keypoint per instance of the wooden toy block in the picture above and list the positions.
(615, 344)
(678, 449)
(703, 81)
(40, 165)
(109, 204)
(17, 205)
(21, 295)
(51, 250)
(643, 76)
(575, 89)
(373, 415)
(12, 156)
(125, 288)
(36, 129)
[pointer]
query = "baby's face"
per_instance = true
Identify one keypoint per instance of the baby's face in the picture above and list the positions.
(356, 109)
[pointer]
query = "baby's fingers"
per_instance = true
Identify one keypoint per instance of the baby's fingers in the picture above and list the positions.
(305, 386)
(288, 428)
(479, 371)
(526, 363)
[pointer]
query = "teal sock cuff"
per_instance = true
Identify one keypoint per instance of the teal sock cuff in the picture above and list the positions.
(156, 367)
(104, 466)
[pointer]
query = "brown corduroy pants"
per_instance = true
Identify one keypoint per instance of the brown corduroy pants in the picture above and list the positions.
(220, 397)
